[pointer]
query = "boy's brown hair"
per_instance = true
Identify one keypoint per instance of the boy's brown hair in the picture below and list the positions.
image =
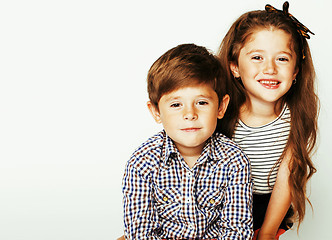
(183, 66)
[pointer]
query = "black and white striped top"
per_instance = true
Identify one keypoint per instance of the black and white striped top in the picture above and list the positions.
(264, 146)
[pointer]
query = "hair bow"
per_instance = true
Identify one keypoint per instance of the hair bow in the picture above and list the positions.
(303, 30)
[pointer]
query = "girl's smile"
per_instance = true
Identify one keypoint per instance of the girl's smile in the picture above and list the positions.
(266, 66)
(269, 83)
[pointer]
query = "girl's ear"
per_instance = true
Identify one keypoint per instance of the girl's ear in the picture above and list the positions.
(223, 106)
(154, 112)
(235, 70)
(296, 71)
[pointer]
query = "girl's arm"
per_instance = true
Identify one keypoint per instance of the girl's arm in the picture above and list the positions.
(279, 202)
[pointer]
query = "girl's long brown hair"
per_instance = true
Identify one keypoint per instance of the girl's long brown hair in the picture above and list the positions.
(301, 98)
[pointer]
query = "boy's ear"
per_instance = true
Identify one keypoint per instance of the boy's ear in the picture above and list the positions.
(154, 112)
(223, 106)
(235, 70)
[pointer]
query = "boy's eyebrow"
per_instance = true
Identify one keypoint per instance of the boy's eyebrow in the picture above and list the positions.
(179, 97)
(205, 96)
(172, 98)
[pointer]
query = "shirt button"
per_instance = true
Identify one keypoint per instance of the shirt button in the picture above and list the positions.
(191, 227)
(165, 199)
(189, 174)
(212, 201)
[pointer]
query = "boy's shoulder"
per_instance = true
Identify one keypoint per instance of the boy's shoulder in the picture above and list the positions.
(225, 144)
(149, 153)
(151, 144)
(228, 150)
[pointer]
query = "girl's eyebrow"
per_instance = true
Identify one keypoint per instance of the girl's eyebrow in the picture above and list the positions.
(288, 53)
(253, 51)
(262, 51)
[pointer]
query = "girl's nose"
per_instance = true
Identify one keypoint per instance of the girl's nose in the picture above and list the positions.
(190, 114)
(270, 67)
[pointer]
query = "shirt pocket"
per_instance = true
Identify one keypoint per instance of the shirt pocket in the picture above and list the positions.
(168, 202)
(210, 198)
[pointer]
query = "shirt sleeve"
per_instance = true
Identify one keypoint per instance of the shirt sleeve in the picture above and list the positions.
(140, 218)
(236, 215)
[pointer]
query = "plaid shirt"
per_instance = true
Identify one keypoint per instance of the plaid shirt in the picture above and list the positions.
(164, 198)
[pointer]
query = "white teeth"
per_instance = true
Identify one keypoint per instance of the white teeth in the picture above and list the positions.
(269, 82)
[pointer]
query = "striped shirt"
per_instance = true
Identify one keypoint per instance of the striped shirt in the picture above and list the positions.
(164, 198)
(264, 146)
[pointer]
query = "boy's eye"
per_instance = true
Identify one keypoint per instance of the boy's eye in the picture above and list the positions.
(175, 105)
(256, 58)
(203, 103)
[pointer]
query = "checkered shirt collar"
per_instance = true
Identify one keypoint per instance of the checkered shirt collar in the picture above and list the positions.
(209, 153)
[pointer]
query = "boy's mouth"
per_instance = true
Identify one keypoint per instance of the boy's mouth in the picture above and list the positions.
(190, 129)
(271, 84)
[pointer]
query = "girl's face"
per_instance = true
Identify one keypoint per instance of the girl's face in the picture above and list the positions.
(266, 65)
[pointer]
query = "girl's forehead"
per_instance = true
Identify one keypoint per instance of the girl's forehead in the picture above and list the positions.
(268, 37)
(265, 32)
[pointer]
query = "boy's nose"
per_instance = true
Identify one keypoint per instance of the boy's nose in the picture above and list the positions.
(270, 67)
(190, 114)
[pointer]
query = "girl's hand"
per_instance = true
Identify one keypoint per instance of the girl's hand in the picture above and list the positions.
(279, 204)
(265, 235)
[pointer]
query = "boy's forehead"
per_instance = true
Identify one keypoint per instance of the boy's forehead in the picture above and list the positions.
(196, 90)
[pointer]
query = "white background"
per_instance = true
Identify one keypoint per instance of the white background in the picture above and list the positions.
(73, 105)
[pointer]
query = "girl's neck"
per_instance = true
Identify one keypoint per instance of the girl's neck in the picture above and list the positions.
(256, 114)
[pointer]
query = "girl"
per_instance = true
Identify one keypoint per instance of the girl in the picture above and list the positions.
(273, 112)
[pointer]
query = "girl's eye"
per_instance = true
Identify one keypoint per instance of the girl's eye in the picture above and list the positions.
(283, 59)
(175, 105)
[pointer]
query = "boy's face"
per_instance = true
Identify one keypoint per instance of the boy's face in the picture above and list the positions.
(189, 116)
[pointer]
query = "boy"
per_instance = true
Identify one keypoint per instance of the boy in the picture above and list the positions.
(187, 182)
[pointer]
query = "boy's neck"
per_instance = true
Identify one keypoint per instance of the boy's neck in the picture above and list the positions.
(189, 154)
(190, 160)
(256, 114)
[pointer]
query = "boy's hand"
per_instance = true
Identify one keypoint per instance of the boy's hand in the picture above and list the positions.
(121, 238)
